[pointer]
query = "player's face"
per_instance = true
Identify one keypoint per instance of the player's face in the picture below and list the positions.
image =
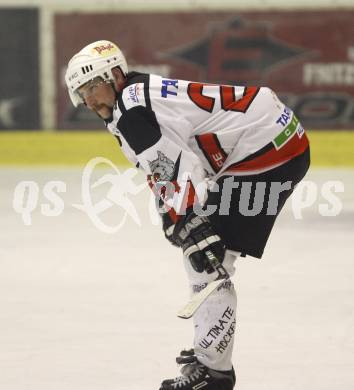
(99, 97)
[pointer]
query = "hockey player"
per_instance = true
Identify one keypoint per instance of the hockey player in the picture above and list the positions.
(183, 133)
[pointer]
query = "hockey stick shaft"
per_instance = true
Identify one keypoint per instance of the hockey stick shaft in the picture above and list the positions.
(193, 305)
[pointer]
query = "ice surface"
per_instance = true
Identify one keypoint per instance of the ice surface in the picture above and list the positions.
(81, 309)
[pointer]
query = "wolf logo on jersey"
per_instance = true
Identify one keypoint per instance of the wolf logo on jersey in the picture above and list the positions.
(162, 167)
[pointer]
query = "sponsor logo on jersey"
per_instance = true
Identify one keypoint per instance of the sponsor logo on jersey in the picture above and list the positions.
(132, 96)
(284, 117)
(291, 125)
(133, 93)
(169, 87)
(300, 130)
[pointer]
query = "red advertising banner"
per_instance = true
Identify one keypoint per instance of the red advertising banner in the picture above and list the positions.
(306, 57)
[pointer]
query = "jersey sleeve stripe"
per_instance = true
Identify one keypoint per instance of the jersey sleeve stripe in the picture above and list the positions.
(121, 105)
(147, 92)
(269, 157)
(212, 150)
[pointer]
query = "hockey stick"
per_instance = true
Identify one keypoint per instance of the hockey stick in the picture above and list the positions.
(193, 305)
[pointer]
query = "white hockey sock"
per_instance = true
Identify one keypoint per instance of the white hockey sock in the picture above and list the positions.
(215, 320)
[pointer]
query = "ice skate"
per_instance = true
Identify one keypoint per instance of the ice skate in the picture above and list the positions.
(196, 376)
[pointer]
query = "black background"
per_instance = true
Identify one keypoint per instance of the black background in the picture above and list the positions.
(19, 69)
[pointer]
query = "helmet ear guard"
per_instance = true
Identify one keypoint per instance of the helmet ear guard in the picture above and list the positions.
(94, 60)
(75, 98)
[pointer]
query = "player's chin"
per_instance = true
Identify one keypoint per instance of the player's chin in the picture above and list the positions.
(105, 112)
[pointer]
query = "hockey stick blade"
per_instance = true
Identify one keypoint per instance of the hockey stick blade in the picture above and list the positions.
(192, 306)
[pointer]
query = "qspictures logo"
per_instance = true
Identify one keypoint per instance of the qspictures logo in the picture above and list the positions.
(122, 188)
(119, 190)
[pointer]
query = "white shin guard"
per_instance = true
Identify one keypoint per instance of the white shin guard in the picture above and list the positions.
(215, 320)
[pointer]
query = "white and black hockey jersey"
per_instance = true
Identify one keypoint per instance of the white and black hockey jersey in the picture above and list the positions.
(169, 127)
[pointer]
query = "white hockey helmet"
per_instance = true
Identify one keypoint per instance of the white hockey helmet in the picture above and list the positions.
(95, 60)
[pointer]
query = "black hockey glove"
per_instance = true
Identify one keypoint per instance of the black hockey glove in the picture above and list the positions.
(195, 235)
(168, 227)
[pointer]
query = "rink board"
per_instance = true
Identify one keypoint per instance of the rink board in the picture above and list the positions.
(328, 148)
